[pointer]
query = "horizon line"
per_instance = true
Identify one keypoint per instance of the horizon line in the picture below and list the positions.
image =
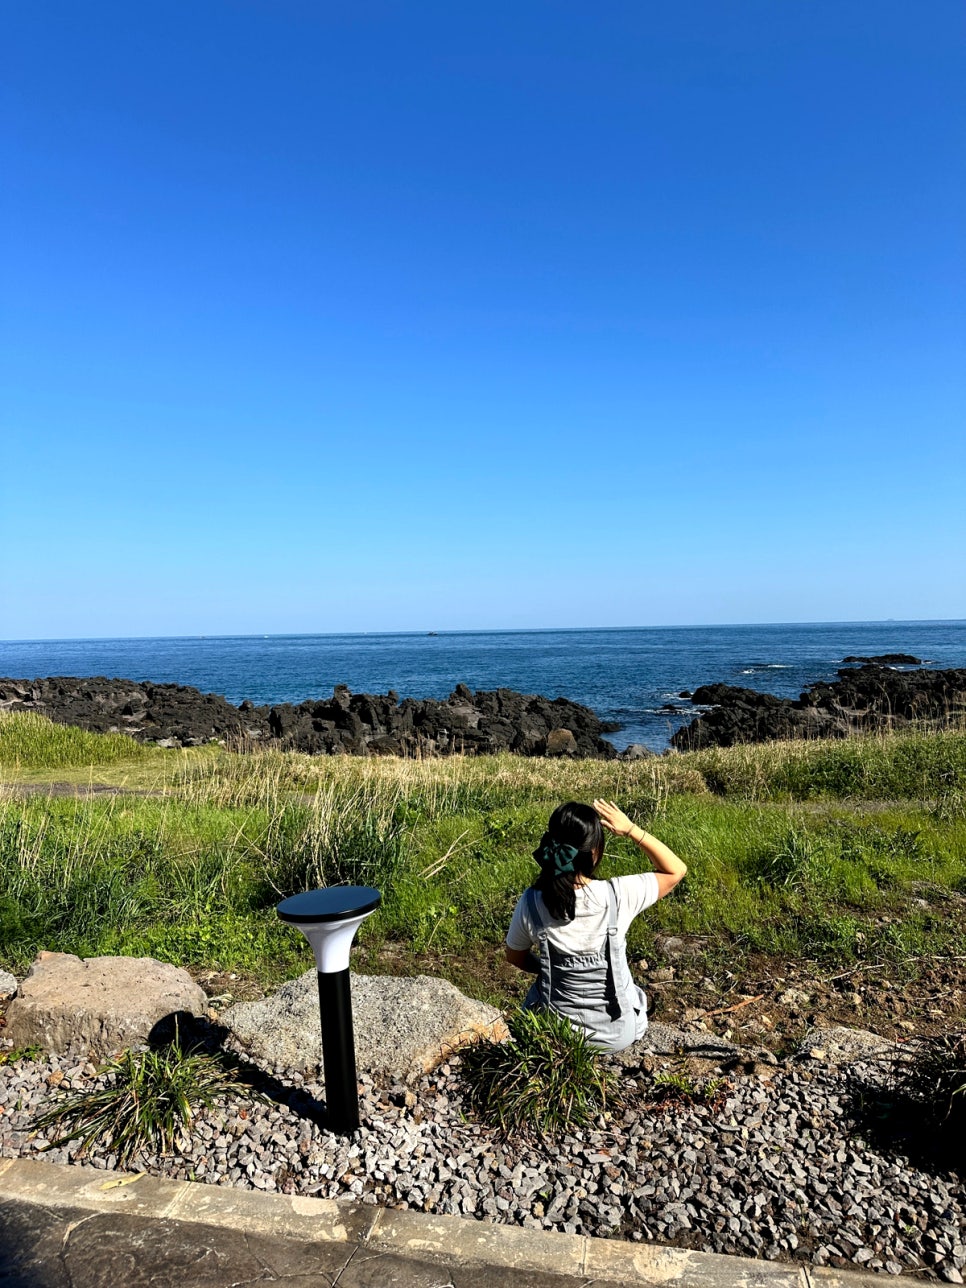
(488, 630)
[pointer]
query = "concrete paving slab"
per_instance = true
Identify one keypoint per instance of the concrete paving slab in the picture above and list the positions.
(420, 1235)
(285, 1217)
(88, 1188)
(679, 1267)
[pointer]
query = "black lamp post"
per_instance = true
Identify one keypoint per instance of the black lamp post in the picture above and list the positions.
(329, 920)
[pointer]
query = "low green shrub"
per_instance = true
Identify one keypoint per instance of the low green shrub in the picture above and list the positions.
(543, 1080)
(144, 1101)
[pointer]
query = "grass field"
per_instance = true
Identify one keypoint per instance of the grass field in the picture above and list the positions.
(832, 852)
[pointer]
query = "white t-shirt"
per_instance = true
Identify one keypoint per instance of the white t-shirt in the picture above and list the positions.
(585, 934)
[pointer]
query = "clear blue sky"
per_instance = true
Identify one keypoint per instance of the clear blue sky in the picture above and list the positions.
(430, 315)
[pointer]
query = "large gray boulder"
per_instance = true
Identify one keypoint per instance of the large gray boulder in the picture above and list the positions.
(840, 1045)
(667, 1039)
(403, 1026)
(100, 1005)
(8, 984)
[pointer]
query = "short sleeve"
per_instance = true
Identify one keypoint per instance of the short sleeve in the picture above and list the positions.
(520, 937)
(634, 894)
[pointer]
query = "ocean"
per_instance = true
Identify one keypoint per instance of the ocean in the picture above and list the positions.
(633, 676)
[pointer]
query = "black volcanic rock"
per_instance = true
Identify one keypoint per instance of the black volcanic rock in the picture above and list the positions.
(347, 723)
(886, 659)
(149, 712)
(863, 699)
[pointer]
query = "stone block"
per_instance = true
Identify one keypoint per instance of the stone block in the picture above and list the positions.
(403, 1026)
(100, 1005)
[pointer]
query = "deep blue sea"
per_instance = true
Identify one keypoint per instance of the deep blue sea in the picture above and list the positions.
(626, 675)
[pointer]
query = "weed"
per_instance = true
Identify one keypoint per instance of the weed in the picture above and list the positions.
(934, 1079)
(544, 1080)
(919, 1111)
(676, 1088)
(29, 1053)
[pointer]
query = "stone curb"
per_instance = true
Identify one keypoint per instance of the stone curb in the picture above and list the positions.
(412, 1236)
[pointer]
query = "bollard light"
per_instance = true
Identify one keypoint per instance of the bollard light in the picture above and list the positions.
(329, 920)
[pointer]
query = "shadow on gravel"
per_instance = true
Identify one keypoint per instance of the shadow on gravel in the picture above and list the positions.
(897, 1122)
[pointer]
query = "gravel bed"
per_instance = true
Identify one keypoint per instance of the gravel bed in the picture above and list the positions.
(780, 1169)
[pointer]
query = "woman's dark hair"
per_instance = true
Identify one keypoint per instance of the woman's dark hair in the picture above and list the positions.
(578, 826)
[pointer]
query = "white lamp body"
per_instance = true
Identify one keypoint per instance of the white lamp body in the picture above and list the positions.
(331, 941)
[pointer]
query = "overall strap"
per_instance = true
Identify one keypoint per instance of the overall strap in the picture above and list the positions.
(534, 911)
(611, 908)
(615, 1006)
(545, 976)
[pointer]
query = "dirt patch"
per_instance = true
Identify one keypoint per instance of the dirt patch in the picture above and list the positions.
(773, 1003)
(225, 988)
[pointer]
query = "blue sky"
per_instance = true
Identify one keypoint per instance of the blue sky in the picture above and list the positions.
(404, 316)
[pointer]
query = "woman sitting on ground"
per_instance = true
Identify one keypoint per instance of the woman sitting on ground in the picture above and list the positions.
(570, 930)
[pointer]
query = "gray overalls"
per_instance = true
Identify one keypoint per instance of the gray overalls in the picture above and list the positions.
(593, 990)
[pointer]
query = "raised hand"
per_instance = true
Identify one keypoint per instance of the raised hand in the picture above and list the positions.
(613, 818)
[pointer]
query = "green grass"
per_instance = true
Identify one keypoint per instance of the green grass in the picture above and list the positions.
(29, 741)
(907, 766)
(837, 852)
(673, 1087)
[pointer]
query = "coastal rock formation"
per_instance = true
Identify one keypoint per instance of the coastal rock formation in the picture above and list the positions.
(403, 1027)
(864, 699)
(100, 1005)
(886, 659)
(171, 714)
(357, 724)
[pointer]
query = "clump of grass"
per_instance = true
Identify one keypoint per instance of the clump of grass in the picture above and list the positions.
(354, 837)
(919, 1110)
(792, 861)
(31, 741)
(145, 1102)
(933, 1080)
(543, 1080)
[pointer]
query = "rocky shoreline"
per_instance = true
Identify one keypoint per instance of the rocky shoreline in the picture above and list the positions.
(869, 698)
(358, 724)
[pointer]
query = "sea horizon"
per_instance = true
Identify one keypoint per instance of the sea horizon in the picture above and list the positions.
(487, 630)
